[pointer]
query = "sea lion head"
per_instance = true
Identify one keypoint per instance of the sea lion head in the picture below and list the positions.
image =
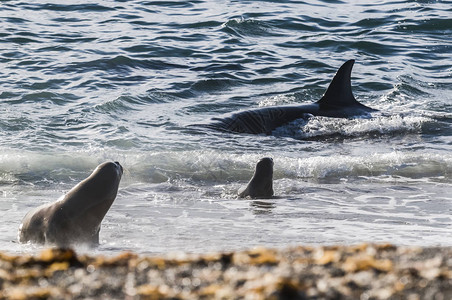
(103, 182)
(261, 184)
(264, 168)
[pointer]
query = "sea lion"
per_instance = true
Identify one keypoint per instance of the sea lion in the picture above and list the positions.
(261, 184)
(337, 102)
(76, 217)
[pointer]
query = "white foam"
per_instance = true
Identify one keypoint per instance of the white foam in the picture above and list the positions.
(223, 166)
(379, 165)
(326, 127)
(277, 100)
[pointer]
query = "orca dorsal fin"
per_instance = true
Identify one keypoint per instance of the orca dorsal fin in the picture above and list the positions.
(339, 92)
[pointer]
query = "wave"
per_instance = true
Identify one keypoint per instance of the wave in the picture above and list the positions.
(118, 63)
(70, 7)
(126, 103)
(217, 167)
(248, 27)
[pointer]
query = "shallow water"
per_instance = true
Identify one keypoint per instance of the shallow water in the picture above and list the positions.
(84, 83)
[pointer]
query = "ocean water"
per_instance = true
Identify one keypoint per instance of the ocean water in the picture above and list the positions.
(82, 83)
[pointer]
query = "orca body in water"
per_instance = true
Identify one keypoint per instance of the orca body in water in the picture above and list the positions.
(337, 102)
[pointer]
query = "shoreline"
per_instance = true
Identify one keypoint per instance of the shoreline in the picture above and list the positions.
(365, 271)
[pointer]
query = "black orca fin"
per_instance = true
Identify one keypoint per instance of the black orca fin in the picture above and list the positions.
(339, 92)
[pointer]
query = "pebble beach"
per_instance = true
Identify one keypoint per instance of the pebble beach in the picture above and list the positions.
(364, 271)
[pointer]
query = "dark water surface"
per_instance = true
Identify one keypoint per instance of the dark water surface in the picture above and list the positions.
(82, 83)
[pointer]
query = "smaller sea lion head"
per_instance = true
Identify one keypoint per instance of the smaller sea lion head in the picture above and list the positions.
(265, 167)
(261, 184)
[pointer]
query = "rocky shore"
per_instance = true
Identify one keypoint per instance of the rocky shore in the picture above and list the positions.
(330, 272)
